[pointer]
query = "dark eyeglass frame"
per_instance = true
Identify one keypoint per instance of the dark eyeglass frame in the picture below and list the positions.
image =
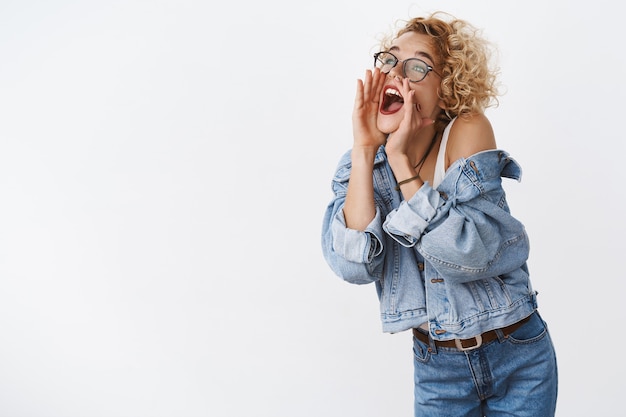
(404, 63)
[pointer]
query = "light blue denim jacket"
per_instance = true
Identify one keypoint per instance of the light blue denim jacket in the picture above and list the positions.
(453, 257)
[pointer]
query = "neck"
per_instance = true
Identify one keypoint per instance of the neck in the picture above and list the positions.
(424, 148)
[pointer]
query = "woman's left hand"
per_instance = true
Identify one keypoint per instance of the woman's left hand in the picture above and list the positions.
(412, 121)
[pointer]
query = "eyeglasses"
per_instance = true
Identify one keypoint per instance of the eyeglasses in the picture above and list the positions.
(413, 68)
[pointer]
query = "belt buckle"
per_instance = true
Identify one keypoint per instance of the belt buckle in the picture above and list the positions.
(459, 346)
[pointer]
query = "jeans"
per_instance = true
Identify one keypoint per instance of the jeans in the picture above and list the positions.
(513, 376)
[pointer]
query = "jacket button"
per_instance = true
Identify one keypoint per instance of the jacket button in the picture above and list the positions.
(420, 266)
(440, 331)
(436, 280)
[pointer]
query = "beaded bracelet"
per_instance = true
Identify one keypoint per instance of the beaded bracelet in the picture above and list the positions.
(407, 180)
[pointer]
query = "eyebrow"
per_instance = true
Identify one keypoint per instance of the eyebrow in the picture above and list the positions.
(417, 53)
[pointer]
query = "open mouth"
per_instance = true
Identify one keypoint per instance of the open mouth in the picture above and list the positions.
(392, 101)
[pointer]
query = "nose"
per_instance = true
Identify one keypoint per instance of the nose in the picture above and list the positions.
(396, 71)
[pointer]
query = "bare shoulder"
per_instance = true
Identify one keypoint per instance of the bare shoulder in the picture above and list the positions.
(469, 135)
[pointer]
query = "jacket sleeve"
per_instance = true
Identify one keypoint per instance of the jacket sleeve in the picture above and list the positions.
(355, 256)
(465, 229)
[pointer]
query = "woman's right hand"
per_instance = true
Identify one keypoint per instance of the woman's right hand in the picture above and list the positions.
(365, 113)
(359, 208)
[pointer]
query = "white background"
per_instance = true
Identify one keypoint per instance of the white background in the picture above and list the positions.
(164, 169)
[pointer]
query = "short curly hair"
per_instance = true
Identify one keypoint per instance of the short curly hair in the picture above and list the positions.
(463, 58)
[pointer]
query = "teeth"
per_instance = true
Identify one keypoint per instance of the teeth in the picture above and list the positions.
(393, 91)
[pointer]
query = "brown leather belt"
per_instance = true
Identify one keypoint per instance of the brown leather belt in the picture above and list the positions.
(471, 343)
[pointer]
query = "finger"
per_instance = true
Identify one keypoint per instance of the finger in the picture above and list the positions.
(367, 86)
(379, 83)
(410, 110)
(358, 99)
(407, 93)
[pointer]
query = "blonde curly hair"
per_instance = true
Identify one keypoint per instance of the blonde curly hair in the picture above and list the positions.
(463, 58)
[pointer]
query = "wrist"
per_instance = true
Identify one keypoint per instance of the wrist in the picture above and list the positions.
(416, 178)
(363, 154)
(399, 161)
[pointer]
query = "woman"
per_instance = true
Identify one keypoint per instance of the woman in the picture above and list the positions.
(419, 210)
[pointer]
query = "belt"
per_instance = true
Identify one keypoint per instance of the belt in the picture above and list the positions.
(473, 342)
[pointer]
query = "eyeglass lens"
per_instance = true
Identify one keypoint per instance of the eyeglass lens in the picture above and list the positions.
(414, 69)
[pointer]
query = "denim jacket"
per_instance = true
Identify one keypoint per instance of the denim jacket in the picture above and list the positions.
(453, 257)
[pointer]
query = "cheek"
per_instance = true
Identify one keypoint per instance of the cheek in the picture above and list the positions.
(436, 112)
(433, 106)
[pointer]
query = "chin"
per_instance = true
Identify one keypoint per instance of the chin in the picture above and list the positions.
(386, 126)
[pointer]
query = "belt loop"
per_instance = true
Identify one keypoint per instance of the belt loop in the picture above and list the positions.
(433, 346)
(501, 336)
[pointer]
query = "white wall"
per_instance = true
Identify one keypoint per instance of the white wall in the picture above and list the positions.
(164, 168)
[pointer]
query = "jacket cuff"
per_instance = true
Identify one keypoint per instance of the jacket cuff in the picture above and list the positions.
(355, 245)
(407, 223)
